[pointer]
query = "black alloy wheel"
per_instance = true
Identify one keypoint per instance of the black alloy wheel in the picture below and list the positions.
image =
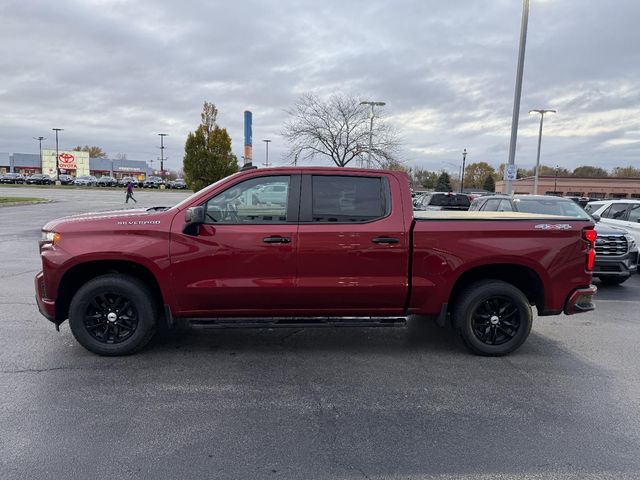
(496, 320)
(492, 317)
(113, 314)
(111, 318)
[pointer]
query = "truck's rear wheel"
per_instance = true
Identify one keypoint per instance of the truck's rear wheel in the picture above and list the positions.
(113, 315)
(492, 317)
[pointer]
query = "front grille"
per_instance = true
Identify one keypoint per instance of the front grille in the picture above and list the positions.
(610, 268)
(611, 245)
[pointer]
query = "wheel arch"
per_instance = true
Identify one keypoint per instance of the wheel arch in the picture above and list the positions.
(81, 273)
(522, 277)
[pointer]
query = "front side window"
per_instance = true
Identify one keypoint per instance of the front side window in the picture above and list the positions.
(348, 199)
(257, 200)
(616, 211)
(505, 206)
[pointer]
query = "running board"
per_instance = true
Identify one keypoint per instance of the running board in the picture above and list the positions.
(292, 322)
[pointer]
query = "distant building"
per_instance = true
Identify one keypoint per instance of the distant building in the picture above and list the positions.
(594, 187)
(72, 163)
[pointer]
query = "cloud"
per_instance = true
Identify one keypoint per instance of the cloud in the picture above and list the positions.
(116, 73)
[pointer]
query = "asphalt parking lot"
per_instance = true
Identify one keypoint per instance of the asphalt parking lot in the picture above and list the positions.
(401, 403)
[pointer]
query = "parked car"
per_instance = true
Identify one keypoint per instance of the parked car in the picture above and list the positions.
(66, 179)
(275, 194)
(86, 181)
(443, 201)
(153, 182)
(125, 180)
(106, 181)
(618, 213)
(39, 179)
(616, 250)
(341, 246)
(12, 178)
(178, 184)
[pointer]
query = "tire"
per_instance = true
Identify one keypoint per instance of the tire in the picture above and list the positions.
(611, 280)
(492, 317)
(99, 304)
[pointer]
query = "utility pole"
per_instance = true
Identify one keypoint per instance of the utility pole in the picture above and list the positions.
(464, 159)
(40, 139)
(373, 104)
(57, 154)
(518, 93)
(162, 135)
(536, 174)
(266, 164)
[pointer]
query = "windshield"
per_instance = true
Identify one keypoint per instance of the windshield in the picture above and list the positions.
(190, 198)
(550, 206)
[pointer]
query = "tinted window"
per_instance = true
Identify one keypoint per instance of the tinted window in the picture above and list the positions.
(616, 211)
(347, 199)
(247, 202)
(634, 214)
(505, 206)
(492, 205)
(476, 205)
(444, 200)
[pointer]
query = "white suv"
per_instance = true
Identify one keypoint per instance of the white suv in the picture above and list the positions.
(619, 213)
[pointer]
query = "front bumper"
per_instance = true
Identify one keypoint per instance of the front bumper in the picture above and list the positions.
(622, 266)
(46, 305)
(580, 300)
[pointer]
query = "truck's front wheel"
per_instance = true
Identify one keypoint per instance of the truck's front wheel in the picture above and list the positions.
(112, 315)
(493, 318)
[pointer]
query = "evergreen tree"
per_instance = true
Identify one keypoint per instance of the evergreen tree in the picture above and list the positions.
(444, 183)
(207, 152)
(489, 184)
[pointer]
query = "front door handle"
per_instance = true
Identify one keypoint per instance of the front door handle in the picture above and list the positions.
(276, 239)
(386, 240)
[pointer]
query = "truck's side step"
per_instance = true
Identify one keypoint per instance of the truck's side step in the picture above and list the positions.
(292, 322)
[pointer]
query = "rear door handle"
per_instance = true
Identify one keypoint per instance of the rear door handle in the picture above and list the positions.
(276, 239)
(386, 240)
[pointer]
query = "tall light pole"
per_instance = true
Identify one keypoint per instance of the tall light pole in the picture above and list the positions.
(40, 142)
(464, 159)
(162, 135)
(57, 154)
(266, 164)
(373, 104)
(542, 113)
(518, 91)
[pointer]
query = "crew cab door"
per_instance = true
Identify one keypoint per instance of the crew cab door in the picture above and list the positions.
(243, 259)
(352, 245)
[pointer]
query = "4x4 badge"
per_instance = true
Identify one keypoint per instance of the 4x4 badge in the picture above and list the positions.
(553, 226)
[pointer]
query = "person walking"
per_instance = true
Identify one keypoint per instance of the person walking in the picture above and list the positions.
(130, 193)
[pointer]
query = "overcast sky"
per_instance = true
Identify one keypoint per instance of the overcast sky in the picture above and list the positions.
(115, 73)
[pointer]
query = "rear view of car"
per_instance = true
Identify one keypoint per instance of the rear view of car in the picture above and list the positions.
(444, 201)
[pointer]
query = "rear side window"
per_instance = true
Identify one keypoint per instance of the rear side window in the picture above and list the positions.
(348, 199)
(492, 205)
(444, 200)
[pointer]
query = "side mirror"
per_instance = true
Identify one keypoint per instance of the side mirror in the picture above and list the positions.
(596, 218)
(193, 217)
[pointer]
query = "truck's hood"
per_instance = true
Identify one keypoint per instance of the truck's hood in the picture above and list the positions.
(131, 216)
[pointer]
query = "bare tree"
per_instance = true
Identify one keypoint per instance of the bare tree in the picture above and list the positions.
(337, 129)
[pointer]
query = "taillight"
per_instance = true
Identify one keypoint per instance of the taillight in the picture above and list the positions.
(590, 236)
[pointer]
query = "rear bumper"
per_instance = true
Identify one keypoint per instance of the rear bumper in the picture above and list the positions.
(580, 300)
(46, 306)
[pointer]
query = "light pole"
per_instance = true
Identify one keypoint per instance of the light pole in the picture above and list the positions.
(518, 91)
(541, 112)
(464, 159)
(266, 164)
(373, 104)
(162, 135)
(40, 142)
(57, 154)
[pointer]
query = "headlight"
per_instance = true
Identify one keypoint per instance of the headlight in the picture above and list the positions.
(630, 241)
(49, 238)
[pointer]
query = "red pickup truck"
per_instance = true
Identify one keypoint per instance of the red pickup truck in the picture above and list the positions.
(310, 246)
